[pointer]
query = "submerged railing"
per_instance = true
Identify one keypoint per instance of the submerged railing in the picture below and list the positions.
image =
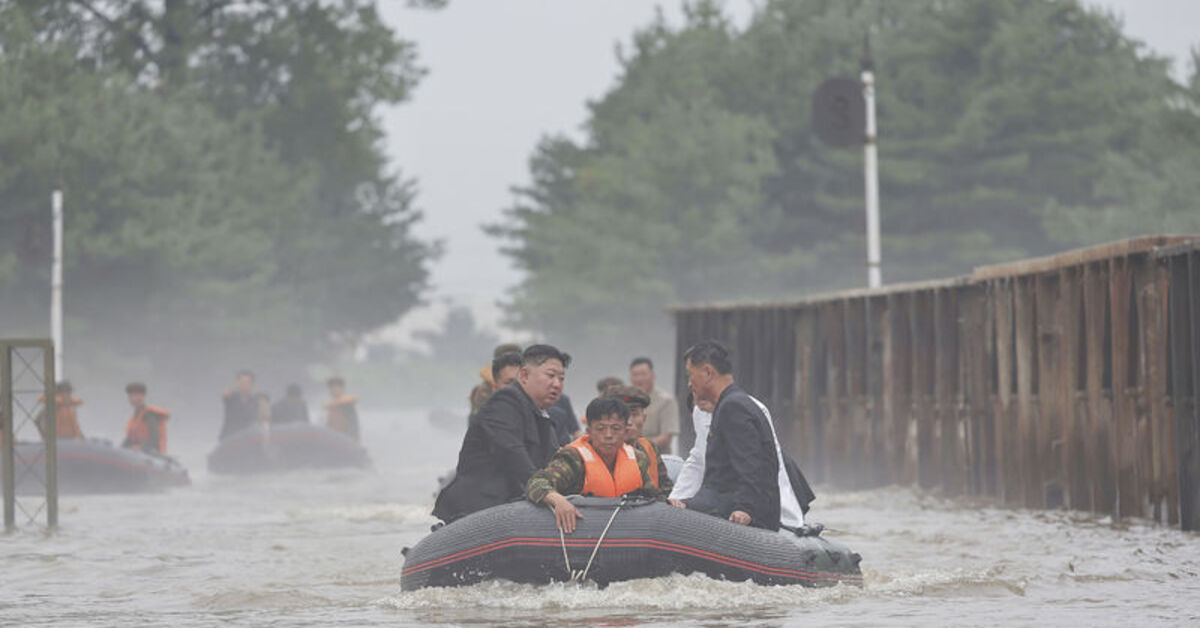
(1065, 381)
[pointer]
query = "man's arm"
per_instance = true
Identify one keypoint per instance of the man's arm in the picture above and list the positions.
(749, 462)
(564, 475)
(501, 424)
(692, 473)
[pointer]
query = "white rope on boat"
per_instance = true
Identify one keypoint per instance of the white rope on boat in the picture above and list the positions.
(581, 576)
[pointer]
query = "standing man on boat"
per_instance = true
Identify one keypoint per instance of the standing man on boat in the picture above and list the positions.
(341, 412)
(638, 401)
(243, 407)
(490, 384)
(741, 472)
(66, 418)
(290, 409)
(597, 464)
(147, 428)
(508, 439)
(662, 417)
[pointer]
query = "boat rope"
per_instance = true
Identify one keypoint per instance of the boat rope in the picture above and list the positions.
(580, 576)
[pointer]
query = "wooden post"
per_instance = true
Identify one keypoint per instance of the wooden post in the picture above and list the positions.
(1048, 431)
(1026, 358)
(1124, 443)
(1008, 462)
(923, 352)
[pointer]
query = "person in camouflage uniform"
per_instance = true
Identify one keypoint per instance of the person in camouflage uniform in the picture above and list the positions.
(485, 388)
(638, 400)
(608, 421)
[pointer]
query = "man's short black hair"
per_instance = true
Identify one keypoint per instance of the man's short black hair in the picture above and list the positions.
(247, 373)
(503, 361)
(604, 383)
(710, 352)
(64, 387)
(536, 355)
(604, 406)
(641, 360)
(336, 380)
(135, 387)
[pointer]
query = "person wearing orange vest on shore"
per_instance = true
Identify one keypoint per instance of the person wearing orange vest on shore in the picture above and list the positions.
(638, 400)
(598, 464)
(147, 428)
(66, 418)
(341, 411)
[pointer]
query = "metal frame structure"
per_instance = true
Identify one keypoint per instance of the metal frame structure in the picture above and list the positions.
(20, 379)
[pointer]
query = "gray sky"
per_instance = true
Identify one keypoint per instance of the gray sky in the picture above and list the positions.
(504, 73)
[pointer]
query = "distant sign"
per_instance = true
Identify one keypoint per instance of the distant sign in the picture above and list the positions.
(839, 113)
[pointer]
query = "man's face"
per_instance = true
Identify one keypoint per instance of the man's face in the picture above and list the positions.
(245, 384)
(642, 377)
(544, 382)
(137, 399)
(336, 390)
(637, 421)
(607, 433)
(700, 379)
(508, 375)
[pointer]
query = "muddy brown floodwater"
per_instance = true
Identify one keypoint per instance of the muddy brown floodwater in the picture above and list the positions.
(323, 549)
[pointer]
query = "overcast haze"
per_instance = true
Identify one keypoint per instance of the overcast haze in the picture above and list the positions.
(502, 74)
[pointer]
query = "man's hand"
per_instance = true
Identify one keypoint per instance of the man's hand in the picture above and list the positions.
(740, 517)
(565, 513)
(677, 503)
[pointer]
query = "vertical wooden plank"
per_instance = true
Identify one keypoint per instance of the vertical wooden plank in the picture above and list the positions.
(1026, 355)
(835, 337)
(1184, 341)
(1100, 471)
(1007, 461)
(1123, 451)
(855, 411)
(945, 391)
(804, 441)
(899, 396)
(1071, 323)
(1161, 462)
(1048, 429)
(877, 337)
(923, 351)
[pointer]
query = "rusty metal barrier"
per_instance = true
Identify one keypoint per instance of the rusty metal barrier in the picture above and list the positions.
(1065, 381)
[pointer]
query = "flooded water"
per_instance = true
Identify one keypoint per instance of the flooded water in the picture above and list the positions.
(323, 549)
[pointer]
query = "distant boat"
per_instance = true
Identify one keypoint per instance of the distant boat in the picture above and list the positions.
(285, 447)
(96, 466)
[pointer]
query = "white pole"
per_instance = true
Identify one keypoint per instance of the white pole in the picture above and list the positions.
(871, 171)
(56, 284)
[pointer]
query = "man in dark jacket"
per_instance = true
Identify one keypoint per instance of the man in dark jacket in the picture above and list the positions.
(244, 408)
(741, 465)
(508, 439)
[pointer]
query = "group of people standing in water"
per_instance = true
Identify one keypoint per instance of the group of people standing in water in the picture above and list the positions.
(516, 448)
(243, 407)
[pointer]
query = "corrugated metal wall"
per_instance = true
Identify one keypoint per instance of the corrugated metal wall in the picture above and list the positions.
(1066, 381)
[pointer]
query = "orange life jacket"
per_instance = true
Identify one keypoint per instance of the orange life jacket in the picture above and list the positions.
(338, 419)
(652, 454)
(66, 420)
(598, 481)
(137, 431)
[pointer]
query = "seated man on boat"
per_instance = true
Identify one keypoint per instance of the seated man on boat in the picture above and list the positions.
(341, 410)
(508, 439)
(244, 408)
(597, 464)
(490, 384)
(147, 428)
(290, 409)
(66, 418)
(638, 400)
(741, 471)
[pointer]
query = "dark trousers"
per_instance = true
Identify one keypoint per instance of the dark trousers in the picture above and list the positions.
(709, 502)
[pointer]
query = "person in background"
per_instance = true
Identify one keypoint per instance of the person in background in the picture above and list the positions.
(341, 412)
(598, 464)
(662, 417)
(638, 401)
(66, 418)
(741, 472)
(290, 409)
(485, 388)
(506, 367)
(243, 407)
(147, 428)
(508, 439)
(604, 383)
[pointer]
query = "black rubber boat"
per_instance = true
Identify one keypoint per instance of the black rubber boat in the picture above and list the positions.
(520, 542)
(285, 447)
(96, 466)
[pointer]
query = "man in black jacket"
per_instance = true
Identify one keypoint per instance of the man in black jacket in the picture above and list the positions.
(741, 465)
(508, 439)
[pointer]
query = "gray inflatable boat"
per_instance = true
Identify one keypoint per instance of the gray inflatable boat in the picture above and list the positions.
(285, 447)
(96, 466)
(643, 539)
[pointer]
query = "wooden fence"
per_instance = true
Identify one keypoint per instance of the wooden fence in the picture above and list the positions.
(1067, 381)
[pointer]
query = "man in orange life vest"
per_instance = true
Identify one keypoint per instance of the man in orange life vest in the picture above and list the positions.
(66, 419)
(597, 464)
(342, 412)
(147, 429)
(638, 400)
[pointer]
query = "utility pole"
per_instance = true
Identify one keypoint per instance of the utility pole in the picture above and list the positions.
(871, 170)
(56, 286)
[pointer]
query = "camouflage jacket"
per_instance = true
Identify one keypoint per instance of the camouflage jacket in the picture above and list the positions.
(664, 479)
(565, 474)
